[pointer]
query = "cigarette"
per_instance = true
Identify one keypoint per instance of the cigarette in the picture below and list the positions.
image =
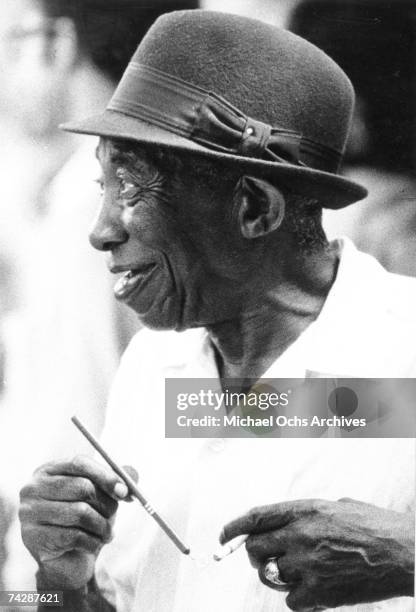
(133, 488)
(229, 548)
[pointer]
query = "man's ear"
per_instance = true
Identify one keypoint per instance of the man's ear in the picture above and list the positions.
(261, 207)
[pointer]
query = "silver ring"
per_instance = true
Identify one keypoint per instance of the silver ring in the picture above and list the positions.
(271, 573)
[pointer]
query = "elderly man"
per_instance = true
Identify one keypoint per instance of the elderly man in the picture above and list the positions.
(219, 149)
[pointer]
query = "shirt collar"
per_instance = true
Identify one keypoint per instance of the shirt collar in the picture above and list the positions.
(342, 340)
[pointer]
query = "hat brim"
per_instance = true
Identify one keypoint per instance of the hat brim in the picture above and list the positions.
(332, 190)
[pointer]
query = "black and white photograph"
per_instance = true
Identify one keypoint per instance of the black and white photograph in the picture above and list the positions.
(207, 305)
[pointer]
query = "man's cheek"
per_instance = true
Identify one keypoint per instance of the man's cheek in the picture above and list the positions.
(138, 219)
(151, 226)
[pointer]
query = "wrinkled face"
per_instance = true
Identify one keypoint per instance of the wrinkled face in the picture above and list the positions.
(176, 241)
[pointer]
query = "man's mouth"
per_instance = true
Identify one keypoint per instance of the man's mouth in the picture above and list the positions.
(130, 280)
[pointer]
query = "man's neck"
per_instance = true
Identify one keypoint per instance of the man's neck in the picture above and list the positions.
(248, 345)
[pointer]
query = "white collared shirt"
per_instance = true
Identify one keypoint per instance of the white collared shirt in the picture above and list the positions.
(367, 328)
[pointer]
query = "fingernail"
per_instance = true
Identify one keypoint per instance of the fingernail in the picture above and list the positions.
(121, 490)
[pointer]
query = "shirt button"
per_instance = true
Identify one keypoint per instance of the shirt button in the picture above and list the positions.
(217, 445)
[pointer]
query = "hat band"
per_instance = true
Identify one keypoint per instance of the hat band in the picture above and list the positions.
(187, 110)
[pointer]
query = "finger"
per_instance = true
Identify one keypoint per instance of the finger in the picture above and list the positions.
(70, 488)
(291, 567)
(266, 518)
(132, 472)
(264, 546)
(49, 542)
(99, 474)
(67, 514)
(301, 599)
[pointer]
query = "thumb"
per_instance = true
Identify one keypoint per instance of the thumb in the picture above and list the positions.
(132, 472)
(134, 475)
(301, 599)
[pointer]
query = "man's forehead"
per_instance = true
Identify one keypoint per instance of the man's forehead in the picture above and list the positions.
(137, 158)
(175, 164)
(120, 151)
(105, 148)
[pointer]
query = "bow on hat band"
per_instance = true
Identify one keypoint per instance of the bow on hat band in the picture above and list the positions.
(187, 110)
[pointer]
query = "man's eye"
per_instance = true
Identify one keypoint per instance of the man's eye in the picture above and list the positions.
(128, 190)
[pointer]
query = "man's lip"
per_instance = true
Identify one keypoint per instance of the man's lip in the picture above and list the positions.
(137, 267)
(132, 279)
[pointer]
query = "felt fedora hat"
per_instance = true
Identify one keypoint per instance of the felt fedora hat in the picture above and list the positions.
(241, 91)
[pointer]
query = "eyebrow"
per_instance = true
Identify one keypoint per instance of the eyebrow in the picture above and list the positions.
(116, 156)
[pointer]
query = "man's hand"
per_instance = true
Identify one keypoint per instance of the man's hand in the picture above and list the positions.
(67, 512)
(331, 553)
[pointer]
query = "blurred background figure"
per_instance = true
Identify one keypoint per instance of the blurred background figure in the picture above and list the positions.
(61, 330)
(275, 12)
(375, 43)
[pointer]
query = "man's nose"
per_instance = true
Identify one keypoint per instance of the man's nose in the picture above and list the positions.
(107, 231)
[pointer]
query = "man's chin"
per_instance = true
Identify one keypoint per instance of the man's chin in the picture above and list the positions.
(166, 316)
